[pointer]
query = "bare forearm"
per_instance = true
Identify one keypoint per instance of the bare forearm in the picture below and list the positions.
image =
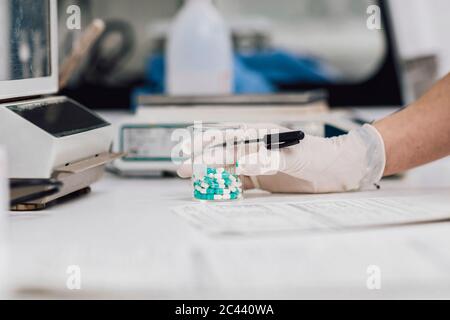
(420, 133)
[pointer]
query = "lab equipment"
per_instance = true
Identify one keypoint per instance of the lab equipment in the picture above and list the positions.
(302, 106)
(214, 170)
(58, 139)
(147, 148)
(48, 139)
(28, 67)
(199, 52)
(45, 188)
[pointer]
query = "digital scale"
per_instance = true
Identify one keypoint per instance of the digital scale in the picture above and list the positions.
(147, 148)
(55, 146)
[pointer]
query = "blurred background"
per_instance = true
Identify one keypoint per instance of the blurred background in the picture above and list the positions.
(304, 43)
(330, 30)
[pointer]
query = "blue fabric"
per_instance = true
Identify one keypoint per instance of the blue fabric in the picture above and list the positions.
(281, 67)
(155, 73)
(254, 73)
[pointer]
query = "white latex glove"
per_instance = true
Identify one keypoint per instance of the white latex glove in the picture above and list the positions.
(316, 165)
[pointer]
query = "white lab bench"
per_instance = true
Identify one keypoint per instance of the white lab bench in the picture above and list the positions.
(128, 243)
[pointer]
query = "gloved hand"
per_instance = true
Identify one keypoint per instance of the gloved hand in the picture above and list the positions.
(316, 165)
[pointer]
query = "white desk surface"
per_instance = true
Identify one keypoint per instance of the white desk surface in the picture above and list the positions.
(129, 244)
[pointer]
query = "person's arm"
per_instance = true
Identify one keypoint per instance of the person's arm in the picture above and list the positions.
(419, 133)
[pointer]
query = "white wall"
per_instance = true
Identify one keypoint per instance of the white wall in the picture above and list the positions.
(441, 13)
(423, 27)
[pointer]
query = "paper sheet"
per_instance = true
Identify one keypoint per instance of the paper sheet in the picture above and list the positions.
(242, 218)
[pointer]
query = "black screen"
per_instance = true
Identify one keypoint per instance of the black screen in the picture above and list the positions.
(59, 118)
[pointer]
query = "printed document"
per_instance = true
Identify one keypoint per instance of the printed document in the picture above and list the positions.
(315, 215)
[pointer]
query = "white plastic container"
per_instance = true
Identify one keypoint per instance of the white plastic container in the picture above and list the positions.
(199, 58)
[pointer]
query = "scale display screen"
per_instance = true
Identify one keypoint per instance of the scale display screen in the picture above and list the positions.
(148, 142)
(60, 118)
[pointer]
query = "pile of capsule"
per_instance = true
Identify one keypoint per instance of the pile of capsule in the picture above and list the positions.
(217, 184)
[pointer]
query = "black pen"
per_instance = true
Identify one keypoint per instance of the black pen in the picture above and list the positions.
(274, 141)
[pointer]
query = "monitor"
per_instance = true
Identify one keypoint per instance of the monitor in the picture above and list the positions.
(28, 48)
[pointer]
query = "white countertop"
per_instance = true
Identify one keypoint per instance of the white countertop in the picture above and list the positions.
(129, 244)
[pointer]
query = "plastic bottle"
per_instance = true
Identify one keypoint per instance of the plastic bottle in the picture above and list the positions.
(199, 58)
